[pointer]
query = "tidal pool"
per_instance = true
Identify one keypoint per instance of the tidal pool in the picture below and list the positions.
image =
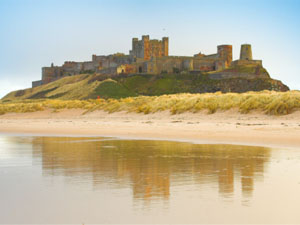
(48, 180)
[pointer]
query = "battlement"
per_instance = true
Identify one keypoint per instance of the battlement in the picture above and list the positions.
(147, 48)
(150, 56)
(145, 37)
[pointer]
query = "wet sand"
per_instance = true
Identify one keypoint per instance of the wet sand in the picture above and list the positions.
(229, 127)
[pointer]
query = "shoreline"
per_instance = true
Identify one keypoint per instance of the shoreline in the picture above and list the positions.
(228, 127)
(192, 141)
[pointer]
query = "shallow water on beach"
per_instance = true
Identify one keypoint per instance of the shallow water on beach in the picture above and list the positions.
(105, 180)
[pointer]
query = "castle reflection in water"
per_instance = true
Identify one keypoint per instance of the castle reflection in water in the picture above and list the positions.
(150, 168)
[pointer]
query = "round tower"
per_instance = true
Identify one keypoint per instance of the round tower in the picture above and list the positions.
(246, 52)
(225, 53)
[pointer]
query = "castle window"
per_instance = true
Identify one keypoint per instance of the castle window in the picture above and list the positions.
(140, 69)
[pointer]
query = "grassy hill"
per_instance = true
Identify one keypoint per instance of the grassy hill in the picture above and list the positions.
(87, 86)
(144, 93)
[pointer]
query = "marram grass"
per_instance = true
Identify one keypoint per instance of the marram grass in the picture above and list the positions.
(269, 102)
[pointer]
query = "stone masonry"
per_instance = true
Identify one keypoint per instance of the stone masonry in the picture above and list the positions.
(149, 57)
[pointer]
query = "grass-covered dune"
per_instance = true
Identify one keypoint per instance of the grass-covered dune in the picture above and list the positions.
(269, 102)
(86, 86)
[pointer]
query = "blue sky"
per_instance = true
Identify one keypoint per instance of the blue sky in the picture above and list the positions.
(35, 33)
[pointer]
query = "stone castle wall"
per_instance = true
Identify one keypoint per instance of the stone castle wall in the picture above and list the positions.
(147, 48)
(246, 62)
(228, 75)
(150, 56)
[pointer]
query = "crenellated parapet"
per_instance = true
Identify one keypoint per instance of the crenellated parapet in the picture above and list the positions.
(151, 56)
(147, 48)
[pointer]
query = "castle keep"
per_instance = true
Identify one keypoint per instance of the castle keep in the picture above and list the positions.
(146, 48)
(150, 57)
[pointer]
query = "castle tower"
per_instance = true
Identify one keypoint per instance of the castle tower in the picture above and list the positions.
(165, 46)
(225, 53)
(134, 43)
(246, 52)
(145, 40)
(134, 49)
(146, 48)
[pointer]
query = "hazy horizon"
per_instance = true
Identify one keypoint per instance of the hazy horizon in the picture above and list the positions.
(36, 33)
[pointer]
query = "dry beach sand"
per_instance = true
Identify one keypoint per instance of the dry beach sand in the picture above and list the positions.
(229, 127)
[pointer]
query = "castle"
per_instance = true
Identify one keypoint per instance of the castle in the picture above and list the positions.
(150, 57)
